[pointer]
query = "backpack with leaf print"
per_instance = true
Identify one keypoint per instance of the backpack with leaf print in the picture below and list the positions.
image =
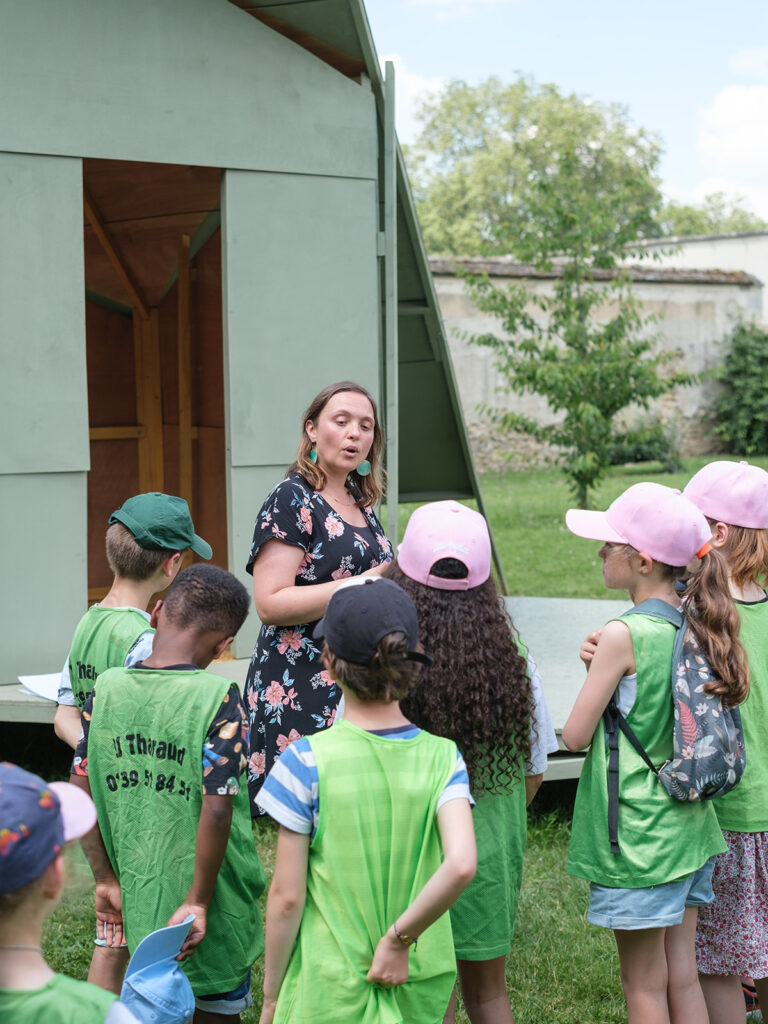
(708, 742)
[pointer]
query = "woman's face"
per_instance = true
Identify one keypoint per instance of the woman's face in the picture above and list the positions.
(343, 432)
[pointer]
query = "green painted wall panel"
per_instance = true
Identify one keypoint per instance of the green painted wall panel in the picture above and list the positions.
(43, 526)
(43, 397)
(433, 466)
(301, 301)
(176, 81)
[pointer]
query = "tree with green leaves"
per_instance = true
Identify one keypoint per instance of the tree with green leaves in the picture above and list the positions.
(586, 346)
(716, 214)
(566, 186)
(482, 148)
(741, 408)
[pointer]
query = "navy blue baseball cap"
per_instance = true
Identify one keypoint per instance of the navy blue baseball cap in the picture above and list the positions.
(36, 819)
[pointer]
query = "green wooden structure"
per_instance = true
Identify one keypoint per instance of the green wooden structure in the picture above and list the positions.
(206, 218)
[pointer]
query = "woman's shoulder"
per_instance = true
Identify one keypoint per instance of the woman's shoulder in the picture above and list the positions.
(290, 484)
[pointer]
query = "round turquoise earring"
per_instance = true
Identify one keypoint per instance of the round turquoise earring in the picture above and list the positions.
(364, 468)
(313, 455)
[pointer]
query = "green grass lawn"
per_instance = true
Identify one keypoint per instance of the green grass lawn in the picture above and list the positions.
(561, 969)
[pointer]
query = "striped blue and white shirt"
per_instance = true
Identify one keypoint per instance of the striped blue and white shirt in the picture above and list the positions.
(289, 794)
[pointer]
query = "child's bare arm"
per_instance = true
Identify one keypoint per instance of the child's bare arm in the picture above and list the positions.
(210, 847)
(285, 905)
(108, 899)
(66, 724)
(454, 820)
(613, 658)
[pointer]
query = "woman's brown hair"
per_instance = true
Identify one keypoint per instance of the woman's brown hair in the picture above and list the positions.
(371, 487)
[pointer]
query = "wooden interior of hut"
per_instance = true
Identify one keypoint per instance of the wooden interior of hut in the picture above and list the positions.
(154, 343)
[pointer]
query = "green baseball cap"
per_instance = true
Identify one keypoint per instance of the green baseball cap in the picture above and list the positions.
(161, 522)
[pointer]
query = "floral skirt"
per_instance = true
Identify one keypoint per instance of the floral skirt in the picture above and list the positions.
(732, 932)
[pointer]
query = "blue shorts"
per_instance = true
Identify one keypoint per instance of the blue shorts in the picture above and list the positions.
(656, 906)
(228, 1003)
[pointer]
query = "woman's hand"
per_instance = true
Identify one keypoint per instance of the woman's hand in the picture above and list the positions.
(377, 570)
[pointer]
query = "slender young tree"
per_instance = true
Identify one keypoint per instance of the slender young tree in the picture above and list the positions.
(586, 347)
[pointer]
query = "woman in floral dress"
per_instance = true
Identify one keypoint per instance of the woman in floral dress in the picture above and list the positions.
(315, 529)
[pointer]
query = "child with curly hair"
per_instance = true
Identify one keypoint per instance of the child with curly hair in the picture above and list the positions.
(484, 693)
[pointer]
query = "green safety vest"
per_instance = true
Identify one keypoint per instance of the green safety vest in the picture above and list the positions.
(102, 640)
(145, 747)
(375, 847)
(661, 839)
(745, 808)
(61, 1001)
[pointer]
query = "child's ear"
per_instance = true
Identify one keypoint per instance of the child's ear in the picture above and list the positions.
(719, 535)
(644, 563)
(53, 878)
(221, 646)
(172, 564)
(155, 613)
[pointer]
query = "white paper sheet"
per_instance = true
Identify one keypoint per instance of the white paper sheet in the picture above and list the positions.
(46, 685)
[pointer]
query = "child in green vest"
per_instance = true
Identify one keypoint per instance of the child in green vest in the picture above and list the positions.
(146, 540)
(36, 819)
(648, 886)
(162, 754)
(376, 838)
(732, 932)
(484, 692)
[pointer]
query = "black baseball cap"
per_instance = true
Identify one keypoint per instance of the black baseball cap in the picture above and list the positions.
(358, 617)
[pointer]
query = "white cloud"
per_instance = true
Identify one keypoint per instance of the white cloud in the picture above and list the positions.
(409, 88)
(732, 134)
(733, 145)
(751, 63)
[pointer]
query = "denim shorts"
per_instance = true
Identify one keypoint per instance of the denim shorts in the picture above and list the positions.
(228, 1003)
(656, 906)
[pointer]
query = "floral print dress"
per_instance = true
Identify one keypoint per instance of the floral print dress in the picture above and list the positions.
(288, 692)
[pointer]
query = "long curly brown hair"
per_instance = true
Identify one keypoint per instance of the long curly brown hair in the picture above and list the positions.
(477, 692)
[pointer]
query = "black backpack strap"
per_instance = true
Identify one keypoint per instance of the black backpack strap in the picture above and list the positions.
(614, 722)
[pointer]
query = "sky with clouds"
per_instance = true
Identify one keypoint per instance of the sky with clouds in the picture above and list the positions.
(696, 73)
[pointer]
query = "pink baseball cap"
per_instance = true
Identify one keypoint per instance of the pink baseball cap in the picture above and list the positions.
(731, 492)
(651, 518)
(446, 529)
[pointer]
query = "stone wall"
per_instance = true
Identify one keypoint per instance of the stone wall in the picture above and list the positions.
(697, 311)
